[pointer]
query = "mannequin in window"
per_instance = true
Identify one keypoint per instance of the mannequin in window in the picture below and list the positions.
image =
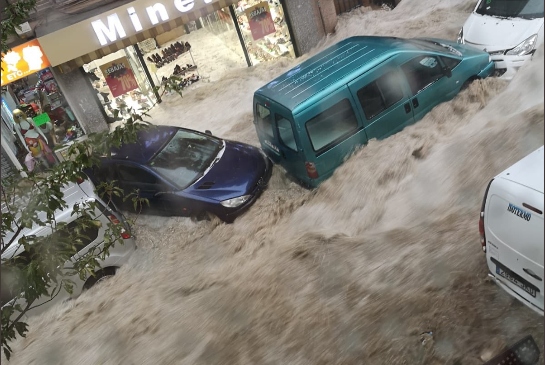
(35, 140)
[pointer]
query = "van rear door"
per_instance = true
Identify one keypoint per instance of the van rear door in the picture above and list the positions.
(331, 130)
(515, 240)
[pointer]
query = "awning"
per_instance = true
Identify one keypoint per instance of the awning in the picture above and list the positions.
(64, 47)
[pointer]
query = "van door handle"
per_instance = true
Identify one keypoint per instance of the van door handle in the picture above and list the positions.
(532, 274)
(415, 103)
(407, 108)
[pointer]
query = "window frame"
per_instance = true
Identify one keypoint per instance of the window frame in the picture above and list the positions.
(451, 58)
(338, 140)
(120, 168)
(278, 117)
(439, 62)
(381, 93)
(258, 104)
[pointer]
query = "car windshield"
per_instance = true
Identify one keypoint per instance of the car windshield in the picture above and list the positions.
(186, 157)
(527, 9)
(428, 45)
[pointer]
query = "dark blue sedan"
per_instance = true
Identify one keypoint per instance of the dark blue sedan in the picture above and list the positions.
(187, 173)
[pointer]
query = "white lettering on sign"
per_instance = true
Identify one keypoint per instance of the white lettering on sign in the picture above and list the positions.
(115, 31)
(134, 18)
(153, 10)
(113, 25)
(184, 5)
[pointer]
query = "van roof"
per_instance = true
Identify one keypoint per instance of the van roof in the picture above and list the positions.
(528, 172)
(326, 71)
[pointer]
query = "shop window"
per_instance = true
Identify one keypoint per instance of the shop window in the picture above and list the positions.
(380, 94)
(41, 119)
(264, 30)
(332, 126)
(285, 132)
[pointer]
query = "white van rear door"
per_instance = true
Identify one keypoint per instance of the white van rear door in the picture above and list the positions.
(515, 240)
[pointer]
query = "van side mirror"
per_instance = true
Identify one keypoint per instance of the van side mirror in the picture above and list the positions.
(208, 132)
(447, 71)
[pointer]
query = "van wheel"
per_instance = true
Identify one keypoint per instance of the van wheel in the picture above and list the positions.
(100, 275)
(468, 82)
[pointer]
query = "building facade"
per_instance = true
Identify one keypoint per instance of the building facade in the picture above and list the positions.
(104, 55)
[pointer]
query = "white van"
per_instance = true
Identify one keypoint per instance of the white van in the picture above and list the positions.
(82, 192)
(509, 30)
(511, 228)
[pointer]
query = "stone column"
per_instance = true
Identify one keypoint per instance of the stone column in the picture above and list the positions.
(310, 21)
(82, 99)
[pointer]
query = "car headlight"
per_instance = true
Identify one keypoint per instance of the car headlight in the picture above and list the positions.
(460, 38)
(236, 202)
(524, 47)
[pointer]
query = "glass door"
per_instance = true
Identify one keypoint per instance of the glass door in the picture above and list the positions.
(264, 30)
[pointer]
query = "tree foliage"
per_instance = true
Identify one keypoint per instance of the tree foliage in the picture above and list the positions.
(48, 263)
(15, 13)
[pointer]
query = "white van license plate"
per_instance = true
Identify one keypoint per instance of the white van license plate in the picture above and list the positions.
(523, 286)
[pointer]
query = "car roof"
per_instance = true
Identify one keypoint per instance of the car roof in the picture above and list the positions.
(528, 172)
(331, 68)
(73, 193)
(149, 142)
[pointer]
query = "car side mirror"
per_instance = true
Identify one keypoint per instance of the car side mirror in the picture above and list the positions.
(208, 132)
(447, 72)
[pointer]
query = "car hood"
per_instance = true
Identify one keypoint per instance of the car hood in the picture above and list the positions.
(235, 174)
(495, 34)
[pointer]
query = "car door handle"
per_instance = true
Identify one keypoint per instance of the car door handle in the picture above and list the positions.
(532, 274)
(415, 103)
(407, 108)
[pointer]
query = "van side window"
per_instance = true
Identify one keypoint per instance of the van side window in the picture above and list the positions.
(285, 132)
(421, 72)
(263, 120)
(380, 94)
(450, 62)
(332, 126)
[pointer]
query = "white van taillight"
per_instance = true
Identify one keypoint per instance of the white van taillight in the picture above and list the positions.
(124, 233)
(481, 218)
(80, 180)
(311, 170)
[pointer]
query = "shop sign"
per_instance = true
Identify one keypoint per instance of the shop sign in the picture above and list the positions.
(260, 20)
(22, 61)
(119, 76)
(41, 119)
(158, 10)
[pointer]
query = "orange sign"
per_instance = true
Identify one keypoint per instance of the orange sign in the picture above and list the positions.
(22, 61)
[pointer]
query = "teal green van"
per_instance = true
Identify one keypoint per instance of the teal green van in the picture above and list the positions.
(315, 115)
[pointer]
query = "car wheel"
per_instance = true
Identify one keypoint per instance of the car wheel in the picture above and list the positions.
(100, 276)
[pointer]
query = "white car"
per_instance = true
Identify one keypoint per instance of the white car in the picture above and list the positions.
(509, 30)
(82, 192)
(511, 228)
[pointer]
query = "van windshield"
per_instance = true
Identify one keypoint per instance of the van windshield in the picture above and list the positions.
(527, 9)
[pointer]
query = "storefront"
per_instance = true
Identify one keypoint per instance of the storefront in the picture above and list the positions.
(37, 121)
(151, 41)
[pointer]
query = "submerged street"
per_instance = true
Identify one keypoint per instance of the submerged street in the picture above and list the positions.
(357, 271)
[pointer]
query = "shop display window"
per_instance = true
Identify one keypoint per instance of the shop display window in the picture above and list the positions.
(264, 29)
(121, 84)
(42, 120)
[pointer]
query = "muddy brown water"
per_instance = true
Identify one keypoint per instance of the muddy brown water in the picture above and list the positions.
(352, 273)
